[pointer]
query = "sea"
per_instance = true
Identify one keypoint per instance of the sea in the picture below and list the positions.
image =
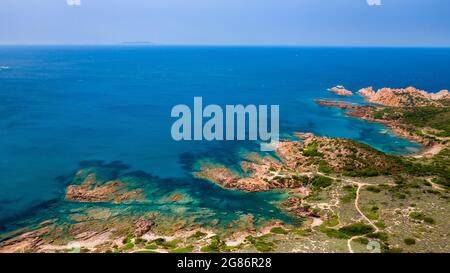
(65, 107)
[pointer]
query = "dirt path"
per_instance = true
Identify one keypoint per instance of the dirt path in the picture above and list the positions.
(360, 185)
(434, 185)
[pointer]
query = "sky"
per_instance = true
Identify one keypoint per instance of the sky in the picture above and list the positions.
(227, 22)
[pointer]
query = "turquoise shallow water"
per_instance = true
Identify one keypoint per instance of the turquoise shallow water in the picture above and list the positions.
(63, 105)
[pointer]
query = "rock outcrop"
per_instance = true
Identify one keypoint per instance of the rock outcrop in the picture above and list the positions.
(404, 97)
(93, 191)
(227, 179)
(342, 105)
(295, 206)
(341, 91)
(142, 226)
(25, 242)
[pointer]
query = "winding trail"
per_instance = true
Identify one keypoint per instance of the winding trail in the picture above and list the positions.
(359, 185)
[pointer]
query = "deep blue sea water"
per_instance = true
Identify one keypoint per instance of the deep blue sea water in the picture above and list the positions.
(63, 105)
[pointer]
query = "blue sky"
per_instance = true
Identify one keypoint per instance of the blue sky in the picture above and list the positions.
(227, 22)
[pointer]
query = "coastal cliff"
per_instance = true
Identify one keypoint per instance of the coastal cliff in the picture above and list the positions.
(404, 97)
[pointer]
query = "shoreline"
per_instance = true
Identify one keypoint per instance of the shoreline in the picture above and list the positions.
(308, 166)
(429, 149)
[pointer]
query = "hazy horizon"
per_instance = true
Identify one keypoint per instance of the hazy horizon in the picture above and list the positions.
(227, 45)
(303, 23)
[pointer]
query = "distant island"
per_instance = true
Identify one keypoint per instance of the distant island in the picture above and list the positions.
(138, 43)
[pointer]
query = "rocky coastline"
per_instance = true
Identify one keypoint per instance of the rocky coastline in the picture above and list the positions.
(331, 186)
(404, 97)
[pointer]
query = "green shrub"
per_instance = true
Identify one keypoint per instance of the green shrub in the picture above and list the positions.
(146, 251)
(261, 244)
(380, 224)
(127, 246)
(303, 232)
(311, 150)
(151, 246)
(356, 229)
(197, 235)
(187, 249)
(216, 245)
(394, 250)
(166, 244)
(420, 216)
(373, 189)
(348, 231)
(332, 222)
(324, 167)
(350, 193)
(383, 236)
(127, 239)
(279, 230)
(409, 241)
(416, 215)
(319, 182)
(372, 213)
(362, 240)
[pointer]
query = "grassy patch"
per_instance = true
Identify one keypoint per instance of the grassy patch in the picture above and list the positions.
(409, 241)
(319, 182)
(383, 236)
(362, 240)
(421, 217)
(303, 232)
(167, 244)
(261, 244)
(373, 189)
(127, 246)
(350, 194)
(146, 251)
(151, 246)
(332, 221)
(380, 224)
(187, 249)
(216, 245)
(311, 150)
(324, 167)
(356, 229)
(197, 235)
(373, 213)
(279, 230)
(347, 231)
(394, 250)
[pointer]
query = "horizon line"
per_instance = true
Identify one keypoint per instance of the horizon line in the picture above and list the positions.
(150, 44)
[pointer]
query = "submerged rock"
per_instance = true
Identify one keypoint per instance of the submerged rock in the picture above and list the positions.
(91, 190)
(176, 197)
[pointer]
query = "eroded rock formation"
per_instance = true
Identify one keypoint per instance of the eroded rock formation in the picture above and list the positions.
(404, 97)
